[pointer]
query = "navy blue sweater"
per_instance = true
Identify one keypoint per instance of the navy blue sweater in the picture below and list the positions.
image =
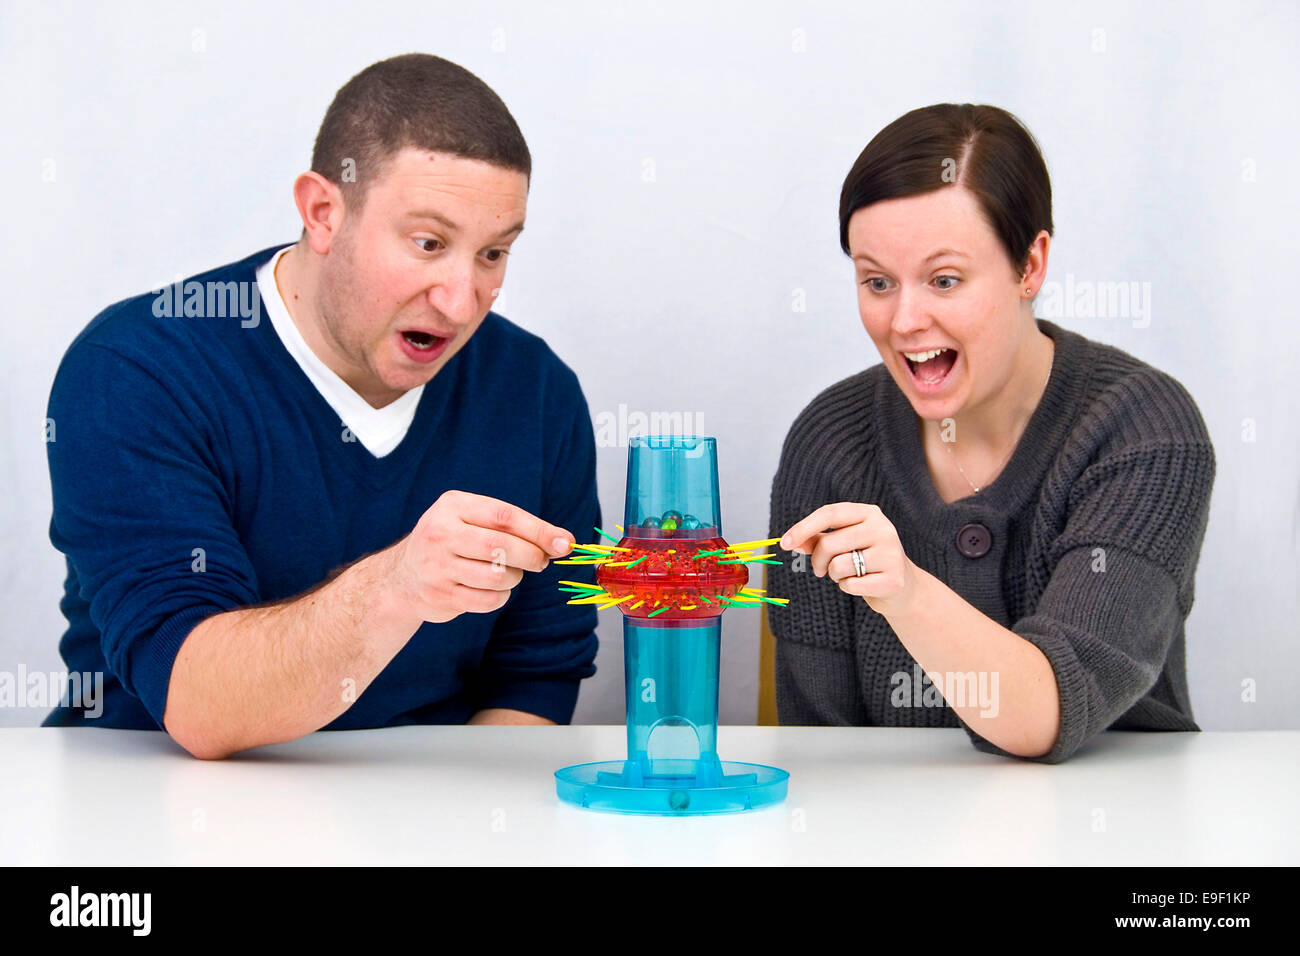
(173, 434)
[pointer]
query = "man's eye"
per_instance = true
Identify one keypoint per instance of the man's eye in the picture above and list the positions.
(428, 245)
(494, 255)
(946, 282)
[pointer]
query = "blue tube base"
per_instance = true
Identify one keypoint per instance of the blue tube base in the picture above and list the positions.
(621, 786)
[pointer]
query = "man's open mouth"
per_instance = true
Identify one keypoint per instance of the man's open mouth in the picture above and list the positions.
(421, 340)
(423, 346)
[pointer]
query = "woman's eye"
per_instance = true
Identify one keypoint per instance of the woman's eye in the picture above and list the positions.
(428, 245)
(877, 284)
(494, 255)
(946, 282)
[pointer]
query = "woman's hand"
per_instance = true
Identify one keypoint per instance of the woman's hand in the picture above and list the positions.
(888, 583)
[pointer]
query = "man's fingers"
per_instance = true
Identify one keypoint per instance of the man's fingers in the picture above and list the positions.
(499, 547)
(478, 600)
(827, 516)
(499, 515)
(485, 575)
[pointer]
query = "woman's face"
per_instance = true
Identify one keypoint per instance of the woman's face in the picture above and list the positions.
(932, 274)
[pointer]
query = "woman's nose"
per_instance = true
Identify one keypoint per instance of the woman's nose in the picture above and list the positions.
(910, 313)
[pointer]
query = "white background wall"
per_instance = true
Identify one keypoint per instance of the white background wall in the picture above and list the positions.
(173, 133)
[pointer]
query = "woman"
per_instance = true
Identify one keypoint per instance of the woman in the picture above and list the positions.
(998, 526)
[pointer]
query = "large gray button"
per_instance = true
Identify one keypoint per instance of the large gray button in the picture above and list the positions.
(974, 540)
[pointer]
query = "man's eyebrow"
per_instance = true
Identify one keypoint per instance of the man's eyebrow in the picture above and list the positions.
(436, 216)
(439, 217)
(517, 227)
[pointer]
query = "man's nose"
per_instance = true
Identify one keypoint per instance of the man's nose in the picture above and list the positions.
(453, 295)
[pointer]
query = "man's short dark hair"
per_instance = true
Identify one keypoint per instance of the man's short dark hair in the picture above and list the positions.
(415, 100)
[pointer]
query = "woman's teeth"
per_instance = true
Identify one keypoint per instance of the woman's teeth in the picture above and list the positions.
(931, 366)
(919, 357)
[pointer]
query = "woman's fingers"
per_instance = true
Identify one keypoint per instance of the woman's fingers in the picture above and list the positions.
(840, 543)
(841, 567)
(832, 533)
(838, 515)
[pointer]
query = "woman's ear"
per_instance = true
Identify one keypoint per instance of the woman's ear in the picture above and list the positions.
(1035, 266)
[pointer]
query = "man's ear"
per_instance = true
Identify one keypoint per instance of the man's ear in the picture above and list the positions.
(320, 204)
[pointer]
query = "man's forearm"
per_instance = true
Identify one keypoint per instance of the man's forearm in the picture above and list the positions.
(505, 715)
(265, 675)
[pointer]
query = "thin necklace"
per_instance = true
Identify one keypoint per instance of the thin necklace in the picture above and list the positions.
(948, 445)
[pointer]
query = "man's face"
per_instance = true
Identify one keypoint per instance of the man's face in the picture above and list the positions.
(932, 274)
(412, 274)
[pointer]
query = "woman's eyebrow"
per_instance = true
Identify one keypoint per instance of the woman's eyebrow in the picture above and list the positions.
(940, 253)
(937, 254)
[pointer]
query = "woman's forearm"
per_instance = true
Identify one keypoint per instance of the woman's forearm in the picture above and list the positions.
(951, 640)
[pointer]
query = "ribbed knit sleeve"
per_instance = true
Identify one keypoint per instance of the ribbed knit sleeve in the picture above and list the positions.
(1086, 546)
(1122, 567)
(815, 670)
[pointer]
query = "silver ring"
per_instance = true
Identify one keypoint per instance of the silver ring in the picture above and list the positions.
(859, 565)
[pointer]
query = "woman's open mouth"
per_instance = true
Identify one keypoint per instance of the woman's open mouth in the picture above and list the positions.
(420, 346)
(931, 370)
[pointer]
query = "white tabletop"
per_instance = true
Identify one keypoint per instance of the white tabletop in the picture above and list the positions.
(438, 795)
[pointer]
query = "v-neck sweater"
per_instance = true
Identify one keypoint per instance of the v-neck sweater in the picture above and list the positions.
(196, 469)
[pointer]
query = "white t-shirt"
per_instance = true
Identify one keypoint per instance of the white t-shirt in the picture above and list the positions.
(379, 430)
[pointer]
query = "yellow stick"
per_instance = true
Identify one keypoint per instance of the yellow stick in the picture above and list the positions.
(753, 545)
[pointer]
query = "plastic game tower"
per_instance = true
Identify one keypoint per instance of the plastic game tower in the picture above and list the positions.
(673, 580)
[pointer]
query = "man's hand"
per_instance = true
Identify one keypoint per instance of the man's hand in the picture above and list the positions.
(266, 674)
(467, 553)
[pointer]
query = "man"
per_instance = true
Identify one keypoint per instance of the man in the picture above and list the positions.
(384, 443)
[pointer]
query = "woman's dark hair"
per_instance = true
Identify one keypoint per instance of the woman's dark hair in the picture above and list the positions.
(983, 148)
